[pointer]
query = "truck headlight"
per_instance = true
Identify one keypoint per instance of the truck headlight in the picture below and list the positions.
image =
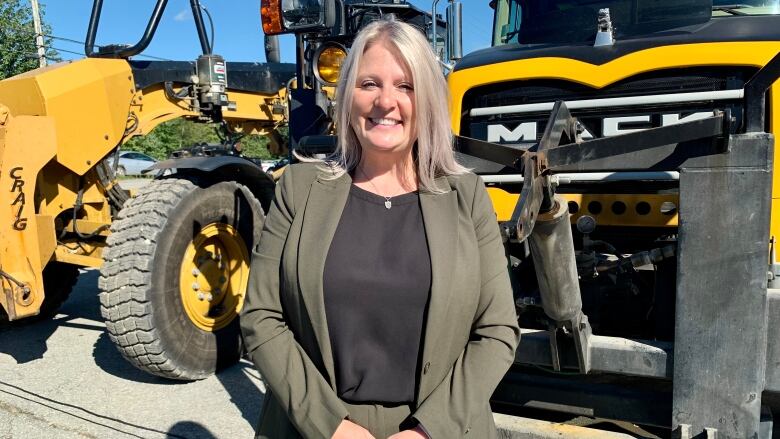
(328, 61)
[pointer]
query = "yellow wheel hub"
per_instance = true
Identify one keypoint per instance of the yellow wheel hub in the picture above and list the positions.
(214, 276)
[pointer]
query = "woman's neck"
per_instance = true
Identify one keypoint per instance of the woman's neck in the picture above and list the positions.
(388, 177)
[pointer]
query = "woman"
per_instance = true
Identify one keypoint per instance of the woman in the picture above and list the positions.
(379, 303)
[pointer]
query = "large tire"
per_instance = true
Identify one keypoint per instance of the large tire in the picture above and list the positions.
(58, 281)
(170, 237)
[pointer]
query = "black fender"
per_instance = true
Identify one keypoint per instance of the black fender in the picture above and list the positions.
(211, 170)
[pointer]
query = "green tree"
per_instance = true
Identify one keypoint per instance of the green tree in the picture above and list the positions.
(180, 133)
(18, 52)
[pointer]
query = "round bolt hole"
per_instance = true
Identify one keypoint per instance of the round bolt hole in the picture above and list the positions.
(643, 208)
(594, 207)
(618, 208)
(573, 207)
(668, 208)
(26, 294)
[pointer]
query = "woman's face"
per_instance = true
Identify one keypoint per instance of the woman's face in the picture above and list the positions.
(383, 114)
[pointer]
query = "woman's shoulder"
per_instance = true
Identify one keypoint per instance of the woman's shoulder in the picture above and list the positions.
(465, 182)
(302, 173)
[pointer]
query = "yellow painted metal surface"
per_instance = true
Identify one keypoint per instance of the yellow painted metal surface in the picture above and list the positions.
(646, 210)
(598, 76)
(88, 100)
(26, 144)
(754, 54)
(213, 277)
(80, 253)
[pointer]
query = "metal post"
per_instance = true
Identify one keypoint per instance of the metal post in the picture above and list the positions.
(433, 29)
(720, 344)
(36, 13)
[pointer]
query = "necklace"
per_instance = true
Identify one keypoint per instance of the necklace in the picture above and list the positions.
(388, 203)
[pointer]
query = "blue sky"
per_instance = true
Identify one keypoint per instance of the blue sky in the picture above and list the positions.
(236, 22)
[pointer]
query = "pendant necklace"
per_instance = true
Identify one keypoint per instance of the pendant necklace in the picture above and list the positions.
(388, 203)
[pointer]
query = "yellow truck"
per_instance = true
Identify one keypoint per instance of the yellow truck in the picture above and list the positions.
(666, 315)
(628, 147)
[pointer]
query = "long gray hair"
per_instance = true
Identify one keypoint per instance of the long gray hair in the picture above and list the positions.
(433, 155)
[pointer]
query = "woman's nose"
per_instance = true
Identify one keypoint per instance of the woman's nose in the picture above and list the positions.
(385, 99)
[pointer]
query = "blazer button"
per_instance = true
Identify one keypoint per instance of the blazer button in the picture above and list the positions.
(426, 367)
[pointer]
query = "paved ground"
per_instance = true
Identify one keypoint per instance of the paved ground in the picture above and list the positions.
(64, 379)
(134, 183)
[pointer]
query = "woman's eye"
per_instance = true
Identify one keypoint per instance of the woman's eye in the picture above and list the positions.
(368, 84)
(406, 87)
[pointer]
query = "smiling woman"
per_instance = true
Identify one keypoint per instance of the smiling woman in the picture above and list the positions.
(379, 303)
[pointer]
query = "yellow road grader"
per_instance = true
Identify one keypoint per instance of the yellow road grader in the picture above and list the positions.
(174, 258)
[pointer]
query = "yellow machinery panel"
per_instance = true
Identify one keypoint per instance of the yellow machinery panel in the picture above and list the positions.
(28, 241)
(645, 210)
(88, 99)
(754, 54)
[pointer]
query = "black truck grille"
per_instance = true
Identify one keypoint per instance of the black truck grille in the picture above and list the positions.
(653, 83)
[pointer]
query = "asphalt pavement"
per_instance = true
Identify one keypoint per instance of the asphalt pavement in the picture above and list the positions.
(63, 378)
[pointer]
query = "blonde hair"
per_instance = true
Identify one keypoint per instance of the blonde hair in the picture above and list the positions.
(432, 153)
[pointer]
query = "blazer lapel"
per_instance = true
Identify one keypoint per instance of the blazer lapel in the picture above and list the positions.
(440, 218)
(324, 207)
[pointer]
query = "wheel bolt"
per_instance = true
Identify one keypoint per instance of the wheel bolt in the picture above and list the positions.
(195, 272)
(195, 286)
(201, 296)
(209, 297)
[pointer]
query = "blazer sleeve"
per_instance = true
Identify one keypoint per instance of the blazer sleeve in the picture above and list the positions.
(463, 396)
(302, 392)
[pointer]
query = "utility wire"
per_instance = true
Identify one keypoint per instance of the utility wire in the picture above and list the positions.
(71, 40)
(63, 50)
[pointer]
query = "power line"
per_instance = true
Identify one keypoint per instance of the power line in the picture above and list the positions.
(53, 37)
(74, 41)
(64, 50)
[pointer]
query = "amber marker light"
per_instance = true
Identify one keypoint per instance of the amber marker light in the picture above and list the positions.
(329, 61)
(271, 14)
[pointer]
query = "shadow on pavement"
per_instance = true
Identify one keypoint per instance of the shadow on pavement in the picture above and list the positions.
(243, 392)
(108, 358)
(191, 430)
(26, 340)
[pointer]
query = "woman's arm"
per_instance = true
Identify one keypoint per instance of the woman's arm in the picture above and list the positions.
(453, 405)
(313, 407)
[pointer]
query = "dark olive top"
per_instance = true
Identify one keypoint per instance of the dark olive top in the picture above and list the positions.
(376, 286)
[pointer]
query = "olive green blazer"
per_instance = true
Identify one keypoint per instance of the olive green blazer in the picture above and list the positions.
(471, 330)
